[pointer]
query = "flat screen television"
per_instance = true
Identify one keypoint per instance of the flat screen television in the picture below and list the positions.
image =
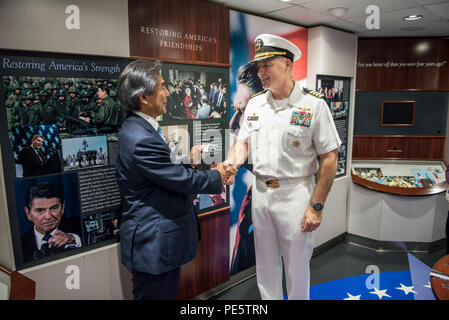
(397, 114)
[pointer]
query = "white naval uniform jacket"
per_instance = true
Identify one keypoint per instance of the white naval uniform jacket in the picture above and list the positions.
(286, 136)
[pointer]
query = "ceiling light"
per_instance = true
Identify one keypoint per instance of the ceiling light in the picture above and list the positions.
(338, 12)
(413, 17)
(285, 0)
(422, 47)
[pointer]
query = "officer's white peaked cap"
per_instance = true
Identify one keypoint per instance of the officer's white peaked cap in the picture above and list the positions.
(269, 46)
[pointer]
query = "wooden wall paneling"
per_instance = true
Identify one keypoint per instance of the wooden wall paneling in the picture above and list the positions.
(425, 64)
(210, 267)
(398, 147)
(162, 29)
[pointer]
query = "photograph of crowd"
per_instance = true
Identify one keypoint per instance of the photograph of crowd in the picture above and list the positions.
(85, 152)
(79, 106)
(195, 95)
(335, 96)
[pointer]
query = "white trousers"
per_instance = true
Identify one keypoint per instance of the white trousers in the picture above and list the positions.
(277, 215)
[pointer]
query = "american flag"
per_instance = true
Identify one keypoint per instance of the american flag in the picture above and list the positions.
(412, 284)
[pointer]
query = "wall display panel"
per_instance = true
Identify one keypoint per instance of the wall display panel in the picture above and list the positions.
(407, 64)
(188, 31)
(430, 111)
(336, 92)
(60, 117)
(244, 82)
(197, 114)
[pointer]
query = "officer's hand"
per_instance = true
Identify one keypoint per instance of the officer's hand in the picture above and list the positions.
(311, 220)
(227, 172)
(60, 238)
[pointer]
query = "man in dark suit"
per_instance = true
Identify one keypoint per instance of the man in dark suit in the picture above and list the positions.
(31, 157)
(221, 101)
(159, 229)
(51, 233)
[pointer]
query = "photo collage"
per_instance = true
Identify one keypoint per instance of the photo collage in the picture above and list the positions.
(63, 132)
(58, 126)
(336, 93)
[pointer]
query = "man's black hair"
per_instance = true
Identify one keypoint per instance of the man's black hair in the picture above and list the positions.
(45, 190)
(248, 74)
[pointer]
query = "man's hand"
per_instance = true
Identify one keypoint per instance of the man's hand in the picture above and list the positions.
(196, 154)
(60, 238)
(311, 220)
(227, 172)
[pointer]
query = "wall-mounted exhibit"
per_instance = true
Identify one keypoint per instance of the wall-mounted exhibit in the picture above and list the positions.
(401, 117)
(60, 122)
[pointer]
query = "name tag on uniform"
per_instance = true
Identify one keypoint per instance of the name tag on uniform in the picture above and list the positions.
(254, 117)
(301, 118)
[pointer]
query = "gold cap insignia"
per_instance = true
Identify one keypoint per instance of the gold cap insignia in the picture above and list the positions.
(258, 45)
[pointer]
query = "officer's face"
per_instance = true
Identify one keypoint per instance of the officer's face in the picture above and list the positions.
(273, 72)
(45, 213)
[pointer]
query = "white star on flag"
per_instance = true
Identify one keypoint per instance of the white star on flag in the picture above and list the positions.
(428, 285)
(351, 297)
(380, 293)
(406, 289)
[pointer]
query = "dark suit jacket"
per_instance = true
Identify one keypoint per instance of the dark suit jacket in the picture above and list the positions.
(30, 161)
(159, 230)
(72, 225)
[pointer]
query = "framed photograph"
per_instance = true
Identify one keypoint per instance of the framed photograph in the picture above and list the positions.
(196, 92)
(58, 197)
(336, 91)
(86, 152)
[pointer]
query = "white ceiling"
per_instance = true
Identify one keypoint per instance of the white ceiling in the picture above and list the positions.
(310, 13)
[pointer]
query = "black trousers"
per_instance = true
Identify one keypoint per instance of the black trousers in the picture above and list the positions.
(162, 286)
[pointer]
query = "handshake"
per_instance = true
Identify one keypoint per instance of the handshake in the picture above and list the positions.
(227, 170)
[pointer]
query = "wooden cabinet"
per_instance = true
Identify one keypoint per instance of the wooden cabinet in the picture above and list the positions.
(398, 147)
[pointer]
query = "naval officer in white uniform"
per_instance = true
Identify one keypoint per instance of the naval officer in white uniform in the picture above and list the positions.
(284, 129)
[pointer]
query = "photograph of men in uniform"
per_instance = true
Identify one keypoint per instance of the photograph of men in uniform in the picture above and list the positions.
(51, 232)
(284, 130)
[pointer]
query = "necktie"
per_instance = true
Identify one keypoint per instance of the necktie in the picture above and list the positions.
(37, 152)
(159, 130)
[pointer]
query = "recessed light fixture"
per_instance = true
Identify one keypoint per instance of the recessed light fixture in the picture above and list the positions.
(413, 17)
(338, 12)
(285, 0)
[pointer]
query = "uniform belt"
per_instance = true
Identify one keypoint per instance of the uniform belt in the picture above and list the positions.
(276, 183)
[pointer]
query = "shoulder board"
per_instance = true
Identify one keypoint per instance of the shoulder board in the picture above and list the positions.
(258, 93)
(313, 93)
